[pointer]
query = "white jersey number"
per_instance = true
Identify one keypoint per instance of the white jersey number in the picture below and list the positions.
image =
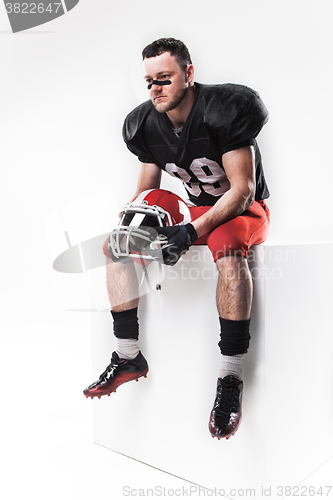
(211, 176)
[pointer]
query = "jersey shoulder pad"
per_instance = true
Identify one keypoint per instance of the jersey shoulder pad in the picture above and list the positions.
(234, 113)
(134, 120)
(133, 133)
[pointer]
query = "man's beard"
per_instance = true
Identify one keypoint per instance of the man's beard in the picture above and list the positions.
(171, 104)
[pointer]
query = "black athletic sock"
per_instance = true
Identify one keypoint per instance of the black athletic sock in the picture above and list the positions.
(235, 336)
(126, 330)
(126, 324)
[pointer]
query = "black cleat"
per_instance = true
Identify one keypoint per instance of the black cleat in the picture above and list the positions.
(226, 414)
(117, 373)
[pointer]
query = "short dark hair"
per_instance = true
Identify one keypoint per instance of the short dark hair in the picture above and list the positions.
(174, 47)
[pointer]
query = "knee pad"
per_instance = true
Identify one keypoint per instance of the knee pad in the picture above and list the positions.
(235, 337)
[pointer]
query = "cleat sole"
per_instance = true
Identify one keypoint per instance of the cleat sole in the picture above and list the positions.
(227, 437)
(144, 374)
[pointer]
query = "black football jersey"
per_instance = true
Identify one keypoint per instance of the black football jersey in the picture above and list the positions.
(223, 118)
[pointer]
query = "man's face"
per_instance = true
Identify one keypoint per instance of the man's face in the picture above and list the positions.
(165, 67)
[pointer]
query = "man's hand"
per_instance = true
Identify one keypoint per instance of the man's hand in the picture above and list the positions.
(179, 240)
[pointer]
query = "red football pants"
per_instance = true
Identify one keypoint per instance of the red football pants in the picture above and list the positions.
(236, 236)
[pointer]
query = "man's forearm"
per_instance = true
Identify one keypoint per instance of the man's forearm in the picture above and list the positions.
(233, 203)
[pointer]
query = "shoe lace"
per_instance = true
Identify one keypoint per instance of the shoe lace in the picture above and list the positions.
(225, 399)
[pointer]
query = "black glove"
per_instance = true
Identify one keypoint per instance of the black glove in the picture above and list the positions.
(180, 238)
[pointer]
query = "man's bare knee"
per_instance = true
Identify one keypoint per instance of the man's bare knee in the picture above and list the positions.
(232, 266)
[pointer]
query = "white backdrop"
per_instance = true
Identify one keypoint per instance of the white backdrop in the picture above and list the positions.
(65, 88)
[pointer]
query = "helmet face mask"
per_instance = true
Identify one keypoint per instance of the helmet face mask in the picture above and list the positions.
(131, 241)
(144, 215)
(136, 231)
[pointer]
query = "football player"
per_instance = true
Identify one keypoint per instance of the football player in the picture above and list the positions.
(205, 135)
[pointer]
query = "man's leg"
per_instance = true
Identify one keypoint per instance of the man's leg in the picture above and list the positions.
(229, 244)
(123, 293)
(234, 302)
(127, 362)
(234, 288)
(122, 285)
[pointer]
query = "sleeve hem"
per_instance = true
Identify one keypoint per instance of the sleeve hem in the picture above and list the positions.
(144, 159)
(238, 145)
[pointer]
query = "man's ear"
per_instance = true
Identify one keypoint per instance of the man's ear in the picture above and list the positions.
(190, 74)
